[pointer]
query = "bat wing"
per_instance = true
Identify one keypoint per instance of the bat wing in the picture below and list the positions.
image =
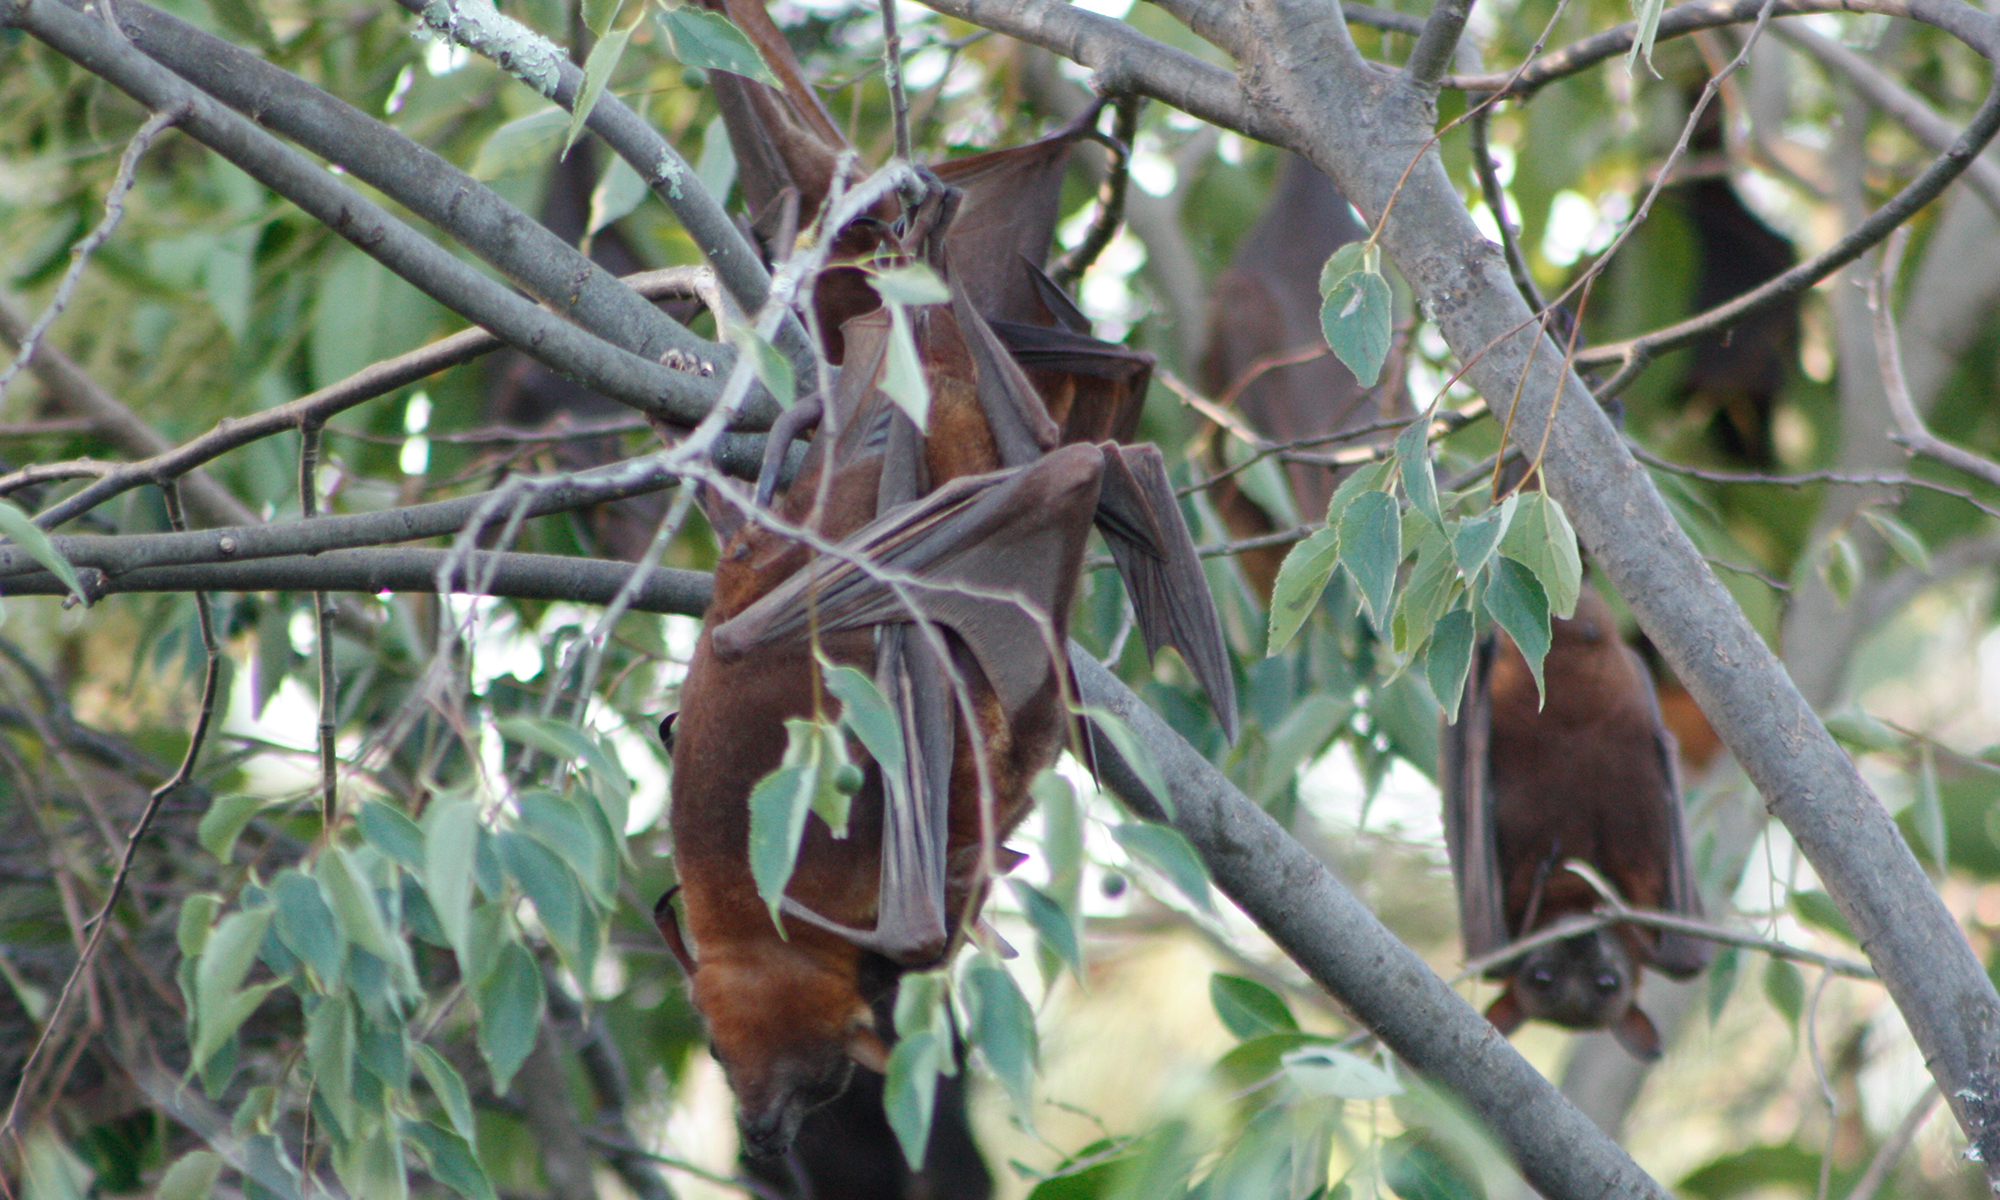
(1676, 954)
(994, 558)
(1468, 813)
(1142, 524)
(910, 921)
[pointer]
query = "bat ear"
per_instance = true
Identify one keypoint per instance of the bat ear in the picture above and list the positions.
(667, 731)
(1506, 1014)
(1636, 1033)
(864, 1045)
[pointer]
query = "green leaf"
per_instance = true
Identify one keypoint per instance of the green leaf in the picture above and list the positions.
(1054, 927)
(450, 1090)
(1432, 586)
(1518, 606)
(576, 833)
(1416, 1166)
(1929, 810)
(1540, 539)
(1449, 659)
(224, 822)
(1815, 907)
(450, 1159)
(914, 283)
(1331, 1071)
(865, 712)
(306, 927)
(903, 371)
(704, 39)
(1302, 577)
(1000, 1024)
(1300, 738)
(220, 1020)
(50, 1170)
(1785, 988)
(196, 923)
(1340, 264)
(1476, 538)
(773, 370)
(330, 1055)
(1840, 567)
(597, 69)
(558, 898)
(1247, 1008)
(778, 807)
(355, 911)
(521, 146)
(373, 1166)
(192, 1177)
(23, 532)
(1901, 538)
(1371, 548)
(1647, 15)
(1419, 477)
(510, 1013)
(393, 834)
(1858, 730)
(451, 839)
(1355, 317)
(909, 1093)
(920, 1001)
(598, 15)
(1114, 730)
(1722, 980)
(572, 745)
(226, 959)
(1167, 850)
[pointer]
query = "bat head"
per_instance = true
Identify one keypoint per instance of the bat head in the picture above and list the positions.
(1584, 982)
(788, 1030)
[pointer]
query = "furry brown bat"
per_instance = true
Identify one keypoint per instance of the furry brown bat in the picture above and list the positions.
(1590, 775)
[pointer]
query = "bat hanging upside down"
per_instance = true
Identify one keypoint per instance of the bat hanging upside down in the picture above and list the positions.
(975, 523)
(1589, 776)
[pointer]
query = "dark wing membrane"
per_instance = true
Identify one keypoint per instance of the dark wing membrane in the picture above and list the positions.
(1677, 954)
(1468, 814)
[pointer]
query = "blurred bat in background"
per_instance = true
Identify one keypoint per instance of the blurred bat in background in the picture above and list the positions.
(1589, 775)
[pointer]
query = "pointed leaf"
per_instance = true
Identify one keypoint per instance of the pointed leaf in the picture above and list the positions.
(909, 1093)
(451, 839)
(510, 1013)
(1340, 264)
(1929, 810)
(1785, 988)
(1901, 538)
(1371, 548)
(1356, 319)
(913, 283)
(577, 834)
(450, 1159)
(1331, 1071)
(866, 713)
(1055, 929)
(1000, 1024)
(1249, 1009)
(707, 40)
(392, 833)
(1167, 850)
(558, 898)
(306, 927)
(597, 69)
(1416, 1166)
(224, 821)
(903, 372)
(1413, 458)
(1114, 730)
(17, 527)
(1540, 539)
(1449, 659)
(1475, 539)
(1518, 606)
(192, 1177)
(1722, 980)
(449, 1087)
(1302, 578)
(773, 370)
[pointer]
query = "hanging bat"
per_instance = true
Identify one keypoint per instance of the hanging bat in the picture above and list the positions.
(1264, 309)
(1588, 775)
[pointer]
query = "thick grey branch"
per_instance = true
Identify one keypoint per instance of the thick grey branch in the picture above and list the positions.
(1438, 43)
(519, 499)
(482, 572)
(1319, 923)
(619, 374)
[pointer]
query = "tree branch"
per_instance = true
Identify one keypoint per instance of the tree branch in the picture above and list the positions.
(1982, 175)
(1438, 43)
(617, 373)
(481, 572)
(1294, 898)
(521, 248)
(1961, 20)
(536, 62)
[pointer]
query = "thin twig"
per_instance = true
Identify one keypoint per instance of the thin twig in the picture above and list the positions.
(114, 212)
(1110, 195)
(1826, 1093)
(892, 73)
(204, 716)
(1496, 203)
(1911, 432)
(323, 614)
(1893, 1146)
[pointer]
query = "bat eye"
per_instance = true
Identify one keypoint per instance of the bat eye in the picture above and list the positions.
(1541, 977)
(1607, 983)
(667, 731)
